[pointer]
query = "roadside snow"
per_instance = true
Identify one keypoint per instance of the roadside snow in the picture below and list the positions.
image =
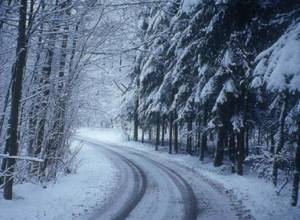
(256, 194)
(72, 197)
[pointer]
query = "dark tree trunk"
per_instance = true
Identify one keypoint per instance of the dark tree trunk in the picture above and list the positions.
(163, 131)
(281, 140)
(295, 189)
(198, 133)
(242, 138)
(150, 134)
(4, 160)
(72, 67)
(136, 120)
(232, 151)
(203, 145)
(157, 131)
(259, 136)
(17, 75)
(31, 133)
(198, 138)
(42, 107)
(170, 132)
(6, 103)
(176, 137)
(247, 141)
(189, 135)
(55, 142)
(240, 150)
(219, 153)
(143, 135)
(272, 140)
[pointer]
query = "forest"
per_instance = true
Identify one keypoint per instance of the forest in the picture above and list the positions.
(221, 78)
(218, 80)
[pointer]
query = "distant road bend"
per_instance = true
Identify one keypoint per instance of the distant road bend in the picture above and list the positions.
(150, 188)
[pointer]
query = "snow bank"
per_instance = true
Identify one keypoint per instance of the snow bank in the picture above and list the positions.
(257, 195)
(72, 197)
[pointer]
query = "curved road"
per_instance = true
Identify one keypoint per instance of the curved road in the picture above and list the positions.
(150, 188)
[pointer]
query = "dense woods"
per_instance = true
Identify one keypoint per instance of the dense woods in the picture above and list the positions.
(36, 100)
(46, 48)
(221, 80)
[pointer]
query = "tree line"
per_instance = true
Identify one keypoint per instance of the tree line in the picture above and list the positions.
(46, 47)
(221, 77)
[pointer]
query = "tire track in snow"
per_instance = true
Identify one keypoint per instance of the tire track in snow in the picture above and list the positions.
(188, 197)
(139, 179)
(187, 193)
(140, 185)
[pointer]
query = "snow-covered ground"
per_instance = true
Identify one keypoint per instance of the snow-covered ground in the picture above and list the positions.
(78, 196)
(74, 196)
(255, 194)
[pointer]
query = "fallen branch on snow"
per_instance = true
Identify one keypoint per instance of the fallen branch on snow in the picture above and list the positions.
(22, 158)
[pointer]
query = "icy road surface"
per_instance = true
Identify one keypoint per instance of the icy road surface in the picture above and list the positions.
(150, 188)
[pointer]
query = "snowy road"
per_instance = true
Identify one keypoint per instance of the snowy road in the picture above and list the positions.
(152, 188)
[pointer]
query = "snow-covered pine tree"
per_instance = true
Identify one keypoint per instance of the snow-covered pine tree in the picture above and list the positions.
(152, 72)
(278, 69)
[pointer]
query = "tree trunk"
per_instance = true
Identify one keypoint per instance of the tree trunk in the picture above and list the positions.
(163, 131)
(189, 135)
(242, 137)
(157, 131)
(259, 136)
(17, 75)
(272, 148)
(240, 150)
(136, 120)
(6, 103)
(150, 134)
(55, 143)
(170, 133)
(42, 107)
(176, 137)
(247, 141)
(143, 135)
(295, 189)
(198, 135)
(232, 151)
(72, 67)
(203, 145)
(197, 140)
(219, 152)
(34, 108)
(281, 139)
(4, 160)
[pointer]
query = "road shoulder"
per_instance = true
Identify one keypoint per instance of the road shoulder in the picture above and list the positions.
(74, 196)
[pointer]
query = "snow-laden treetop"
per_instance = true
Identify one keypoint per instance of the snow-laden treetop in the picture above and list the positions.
(279, 66)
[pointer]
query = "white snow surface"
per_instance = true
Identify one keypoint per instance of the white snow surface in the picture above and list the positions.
(187, 5)
(73, 196)
(257, 195)
(279, 65)
(228, 87)
(77, 195)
